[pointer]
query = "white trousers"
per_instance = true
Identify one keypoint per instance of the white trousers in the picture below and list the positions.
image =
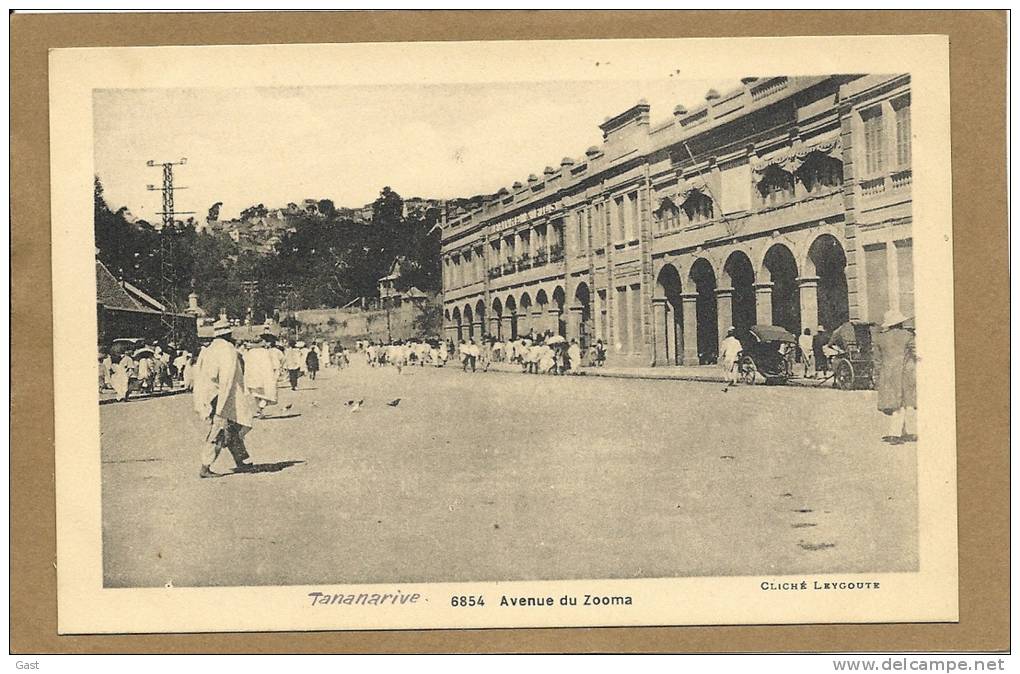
(902, 422)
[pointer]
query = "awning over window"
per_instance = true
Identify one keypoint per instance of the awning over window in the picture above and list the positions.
(791, 158)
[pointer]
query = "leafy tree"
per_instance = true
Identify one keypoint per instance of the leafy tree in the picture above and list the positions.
(326, 208)
(324, 258)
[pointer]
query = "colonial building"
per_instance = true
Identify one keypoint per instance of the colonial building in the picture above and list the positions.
(786, 201)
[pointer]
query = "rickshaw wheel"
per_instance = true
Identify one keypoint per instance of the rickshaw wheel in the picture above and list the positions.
(747, 370)
(843, 377)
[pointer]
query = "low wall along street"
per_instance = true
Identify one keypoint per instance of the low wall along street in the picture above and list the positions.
(397, 323)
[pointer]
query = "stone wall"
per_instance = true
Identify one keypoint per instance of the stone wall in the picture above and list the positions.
(353, 324)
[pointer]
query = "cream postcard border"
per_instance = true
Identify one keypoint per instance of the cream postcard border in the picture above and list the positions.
(84, 606)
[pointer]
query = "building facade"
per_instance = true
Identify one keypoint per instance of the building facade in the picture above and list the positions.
(786, 201)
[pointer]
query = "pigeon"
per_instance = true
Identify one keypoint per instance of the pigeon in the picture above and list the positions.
(315, 404)
(288, 406)
(349, 403)
(394, 403)
(357, 406)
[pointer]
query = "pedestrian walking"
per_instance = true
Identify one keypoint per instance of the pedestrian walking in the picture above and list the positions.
(261, 371)
(105, 370)
(729, 355)
(818, 344)
(312, 362)
(123, 372)
(293, 362)
(469, 355)
(807, 353)
(895, 366)
(573, 357)
(324, 355)
(221, 400)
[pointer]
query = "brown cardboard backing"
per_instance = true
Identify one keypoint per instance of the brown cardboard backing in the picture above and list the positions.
(978, 90)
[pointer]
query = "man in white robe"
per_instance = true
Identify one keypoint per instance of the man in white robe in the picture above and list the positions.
(120, 379)
(261, 373)
(324, 359)
(729, 354)
(220, 400)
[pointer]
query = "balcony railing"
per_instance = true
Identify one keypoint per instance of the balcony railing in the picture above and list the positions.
(541, 258)
(873, 186)
(495, 272)
(901, 179)
(555, 253)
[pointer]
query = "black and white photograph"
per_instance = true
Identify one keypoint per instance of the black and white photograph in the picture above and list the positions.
(512, 341)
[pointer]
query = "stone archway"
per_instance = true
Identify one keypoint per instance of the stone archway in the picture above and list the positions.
(581, 315)
(540, 311)
(706, 311)
(559, 301)
(457, 321)
(826, 267)
(512, 329)
(780, 292)
(739, 274)
(524, 325)
(667, 313)
(469, 322)
(496, 319)
(480, 315)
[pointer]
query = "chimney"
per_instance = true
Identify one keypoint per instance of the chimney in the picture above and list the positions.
(193, 302)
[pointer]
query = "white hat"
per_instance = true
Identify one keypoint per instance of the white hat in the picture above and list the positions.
(221, 327)
(892, 318)
(300, 345)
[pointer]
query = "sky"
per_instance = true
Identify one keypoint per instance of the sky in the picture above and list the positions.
(274, 145)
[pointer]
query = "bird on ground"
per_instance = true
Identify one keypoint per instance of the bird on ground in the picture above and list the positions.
(357, 405)
(394, 403)
(288, 406)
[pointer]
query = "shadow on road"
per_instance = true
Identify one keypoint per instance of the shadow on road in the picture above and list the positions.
(280, 416)
(136, 396)
(269, 467)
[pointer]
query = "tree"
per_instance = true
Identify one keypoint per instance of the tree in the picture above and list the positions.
(326, 208)
(214, 212)
(323, 259)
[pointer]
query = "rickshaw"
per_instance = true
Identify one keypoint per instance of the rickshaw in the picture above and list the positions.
(767, 350)
(851, 358)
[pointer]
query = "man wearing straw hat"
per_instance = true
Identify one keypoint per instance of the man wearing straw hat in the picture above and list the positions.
(895, 363)
(221, 400)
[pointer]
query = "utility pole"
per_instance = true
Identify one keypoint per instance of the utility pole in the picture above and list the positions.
(166, 244)
(251, 288)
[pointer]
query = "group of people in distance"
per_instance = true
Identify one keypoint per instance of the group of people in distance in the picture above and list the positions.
(534, 353)
(126, 367)
(406, 352)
